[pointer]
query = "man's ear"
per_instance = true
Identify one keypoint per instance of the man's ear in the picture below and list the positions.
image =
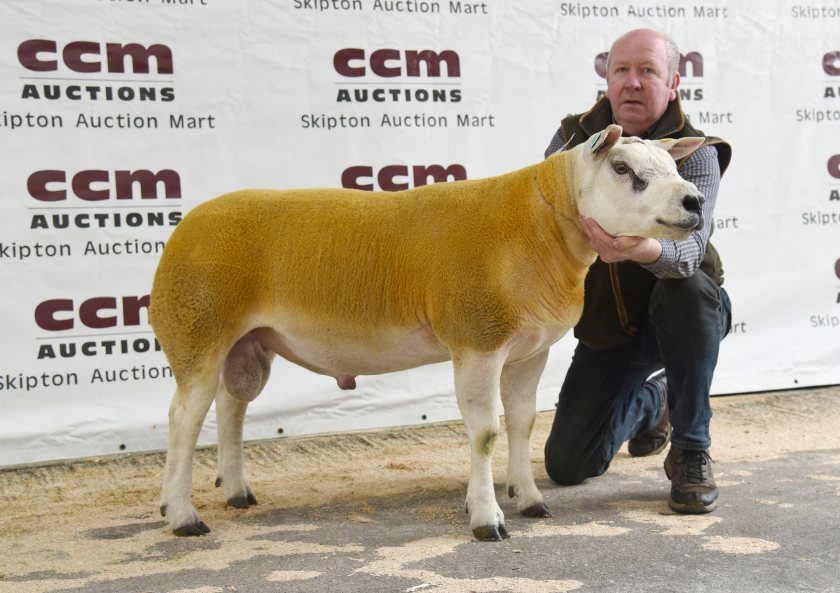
(672, 95)
(679, 148)
(605, 139)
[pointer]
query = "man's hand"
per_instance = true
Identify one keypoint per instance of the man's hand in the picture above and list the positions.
(615, 249)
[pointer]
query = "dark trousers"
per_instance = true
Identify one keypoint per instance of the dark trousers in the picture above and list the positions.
(605, 401)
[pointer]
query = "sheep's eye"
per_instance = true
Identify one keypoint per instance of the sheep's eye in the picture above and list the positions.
(621, 168)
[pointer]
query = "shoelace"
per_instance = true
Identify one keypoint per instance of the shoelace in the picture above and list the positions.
(696, 463)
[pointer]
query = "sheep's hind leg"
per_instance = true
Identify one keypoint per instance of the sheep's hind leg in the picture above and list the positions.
(245, 374)
(186, 415)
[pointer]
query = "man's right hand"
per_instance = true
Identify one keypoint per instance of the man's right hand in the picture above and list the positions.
(615, 249)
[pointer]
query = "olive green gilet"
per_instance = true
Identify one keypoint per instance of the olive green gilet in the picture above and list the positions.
(617, 294)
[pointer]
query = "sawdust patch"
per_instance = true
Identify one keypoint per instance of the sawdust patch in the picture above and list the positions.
(738, 545)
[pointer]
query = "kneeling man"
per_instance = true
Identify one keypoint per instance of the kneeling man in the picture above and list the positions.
(655, 311)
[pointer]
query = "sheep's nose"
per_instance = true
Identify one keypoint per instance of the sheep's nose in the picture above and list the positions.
(692, 203)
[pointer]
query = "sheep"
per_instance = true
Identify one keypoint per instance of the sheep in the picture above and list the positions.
(487, 273)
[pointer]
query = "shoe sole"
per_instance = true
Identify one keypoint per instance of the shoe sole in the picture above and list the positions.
(693, 508)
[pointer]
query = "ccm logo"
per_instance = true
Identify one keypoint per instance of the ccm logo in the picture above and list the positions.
(96, 312)
(831, 63)
(834, 166)
(397, 177)
(41, 55)
(96, 185)
(390, 63)
(692, 58)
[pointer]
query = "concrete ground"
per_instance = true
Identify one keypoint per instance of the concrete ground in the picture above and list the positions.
(382, 512)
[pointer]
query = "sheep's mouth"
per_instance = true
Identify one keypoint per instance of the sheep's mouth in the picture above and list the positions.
(690, 223)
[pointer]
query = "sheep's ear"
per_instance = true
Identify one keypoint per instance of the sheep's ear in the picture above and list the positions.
(680, 148)
(605, 139)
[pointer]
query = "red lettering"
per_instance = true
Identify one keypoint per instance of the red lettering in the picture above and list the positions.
(831, 63)
(342, 59)
(28, 55)
(82, 185)
(89, 312)
(126, 184)
(834, 166)
(436, 173)
(601, 64)
(96, 313)
(432, 60)
(73, 53)
(148, 183)
(139, 56)
(387, 176)
(378, 61)
(397, 177)
(132, 306)
(45, 314)
(351, 176)
(388, 62)
(37, 185)
(76, 56)
(696, 61)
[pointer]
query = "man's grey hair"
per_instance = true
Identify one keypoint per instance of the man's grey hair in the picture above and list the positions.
(672, 54)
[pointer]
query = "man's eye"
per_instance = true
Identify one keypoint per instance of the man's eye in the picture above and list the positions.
(621, 168)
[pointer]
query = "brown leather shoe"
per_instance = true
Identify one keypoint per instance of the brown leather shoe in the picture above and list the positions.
(657, 438)
(693, 488)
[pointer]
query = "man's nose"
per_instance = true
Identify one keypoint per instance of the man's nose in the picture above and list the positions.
(632, 81)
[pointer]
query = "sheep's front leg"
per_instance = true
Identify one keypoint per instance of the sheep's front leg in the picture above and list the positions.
(519, 390)
(476, 388)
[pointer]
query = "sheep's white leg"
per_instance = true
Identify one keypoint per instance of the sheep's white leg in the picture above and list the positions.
(519, 390)
(245, 373)
(230, 416)
(186, 415)
(476, 388)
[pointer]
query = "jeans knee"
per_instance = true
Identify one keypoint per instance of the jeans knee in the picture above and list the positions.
(564, 475)
(568, 469)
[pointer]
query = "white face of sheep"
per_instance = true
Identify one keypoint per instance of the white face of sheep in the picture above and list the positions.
(632, 187)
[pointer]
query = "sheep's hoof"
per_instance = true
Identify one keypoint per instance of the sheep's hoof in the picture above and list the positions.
(490, 533)
(192, 529)
(242, 502)
(537, 511)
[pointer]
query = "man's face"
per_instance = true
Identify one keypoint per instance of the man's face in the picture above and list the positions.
(638, 86)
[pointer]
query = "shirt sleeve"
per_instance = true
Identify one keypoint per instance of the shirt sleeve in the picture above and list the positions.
(681, 259)
(555, 144)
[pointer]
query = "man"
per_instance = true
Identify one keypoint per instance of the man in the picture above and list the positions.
(650, 304)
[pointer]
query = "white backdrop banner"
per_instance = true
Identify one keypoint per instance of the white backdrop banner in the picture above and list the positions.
(118, 116)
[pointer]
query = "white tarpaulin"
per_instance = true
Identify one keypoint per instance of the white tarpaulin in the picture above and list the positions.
(117, 117)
